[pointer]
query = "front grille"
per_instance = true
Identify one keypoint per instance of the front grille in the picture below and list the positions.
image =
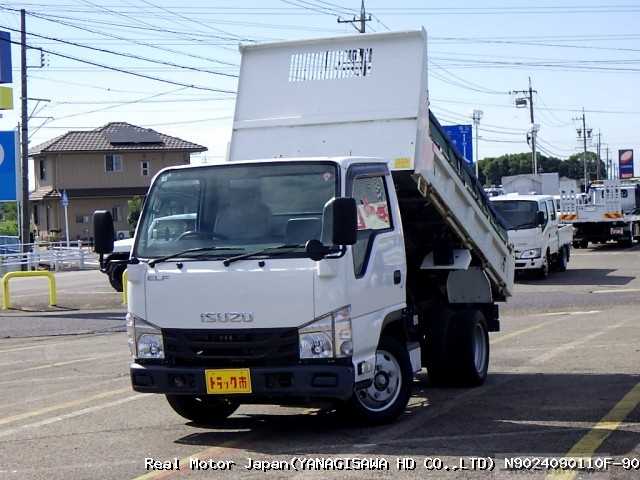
(228, 348)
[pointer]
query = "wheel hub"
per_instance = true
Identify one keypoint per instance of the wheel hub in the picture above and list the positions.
(385, 387)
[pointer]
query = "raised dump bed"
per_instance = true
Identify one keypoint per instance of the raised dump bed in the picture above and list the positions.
(367, 95)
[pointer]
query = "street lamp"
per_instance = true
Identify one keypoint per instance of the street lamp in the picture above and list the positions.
(477, 115)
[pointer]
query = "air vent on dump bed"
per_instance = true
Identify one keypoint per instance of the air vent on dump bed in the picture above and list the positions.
(330, 64)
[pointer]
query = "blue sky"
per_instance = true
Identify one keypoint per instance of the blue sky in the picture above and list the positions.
(578, 54)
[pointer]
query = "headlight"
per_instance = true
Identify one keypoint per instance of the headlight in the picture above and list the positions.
(327, 337)
(145, 340)
(532, 253)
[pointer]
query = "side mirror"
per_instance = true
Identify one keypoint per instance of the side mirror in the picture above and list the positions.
(340, 222)
(540, 218)
(103, 232)
(339, 228)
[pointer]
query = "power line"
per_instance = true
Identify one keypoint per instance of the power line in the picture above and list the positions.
(127, 55)
(469, 85)
(128, 102)
(128, 72)
(52, 19)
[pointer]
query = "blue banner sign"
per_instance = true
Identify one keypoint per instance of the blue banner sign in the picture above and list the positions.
(8, 166)
(5, 58)
(462, 139)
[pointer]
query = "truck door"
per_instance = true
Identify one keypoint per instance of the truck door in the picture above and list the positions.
(378, 284)
(552, 227)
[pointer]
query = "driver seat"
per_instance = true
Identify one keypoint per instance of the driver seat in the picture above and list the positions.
(243, 217)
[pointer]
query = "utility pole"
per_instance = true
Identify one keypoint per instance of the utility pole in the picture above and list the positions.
(598, 157)
(584, 133)
(522, 102)
(364, 18)
(477, 116)
(609, 172)
(24, 136)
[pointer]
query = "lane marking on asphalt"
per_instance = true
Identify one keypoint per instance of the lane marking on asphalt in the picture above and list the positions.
(617, 290)
(67, 362)
(61, 406)
(77, 413)
(55, 379)
(571, 345)
(589, 443)
(87, 386)
(517, 333)
(553, 314)
(537, 326)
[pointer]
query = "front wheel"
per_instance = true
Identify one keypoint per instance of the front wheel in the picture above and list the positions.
(202, 409)
(543, 271)
(115, 277)
(563, 259)
(387, 396)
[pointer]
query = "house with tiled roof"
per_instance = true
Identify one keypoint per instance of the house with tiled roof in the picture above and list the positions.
(99, 169)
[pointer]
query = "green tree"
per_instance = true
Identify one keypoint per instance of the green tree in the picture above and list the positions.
(492, 169)
(9, 218)
(135, 207)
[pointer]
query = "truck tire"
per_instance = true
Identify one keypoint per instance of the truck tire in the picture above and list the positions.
(387, 396)
(563, 259)
(115, 277)
(584, 243)
(203, 409)
(469, 349)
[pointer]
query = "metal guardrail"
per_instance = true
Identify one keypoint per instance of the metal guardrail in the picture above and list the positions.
(4, 284)
(55, 255)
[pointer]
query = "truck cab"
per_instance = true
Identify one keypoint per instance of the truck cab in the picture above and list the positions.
(541, 243)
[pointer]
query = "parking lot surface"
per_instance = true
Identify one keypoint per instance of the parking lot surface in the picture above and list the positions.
(564, 380)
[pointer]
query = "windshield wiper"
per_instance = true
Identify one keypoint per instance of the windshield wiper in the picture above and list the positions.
(279, 248)
(188, 251)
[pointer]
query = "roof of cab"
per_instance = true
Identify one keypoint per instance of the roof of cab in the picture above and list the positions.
(517, 196)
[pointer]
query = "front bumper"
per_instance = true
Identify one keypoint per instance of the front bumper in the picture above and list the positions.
(528, 263)
(299, 382)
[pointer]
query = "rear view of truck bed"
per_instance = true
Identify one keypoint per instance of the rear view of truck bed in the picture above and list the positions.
(367, 95)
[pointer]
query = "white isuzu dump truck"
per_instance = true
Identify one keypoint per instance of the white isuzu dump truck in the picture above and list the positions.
(343, 248)
(541, 242)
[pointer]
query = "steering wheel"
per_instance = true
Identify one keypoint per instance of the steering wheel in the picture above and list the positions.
(203, 235)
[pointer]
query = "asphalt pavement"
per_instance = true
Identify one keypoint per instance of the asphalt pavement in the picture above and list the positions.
(564, 381)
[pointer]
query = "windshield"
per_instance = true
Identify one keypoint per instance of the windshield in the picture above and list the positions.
(517, 214)
(235, 207)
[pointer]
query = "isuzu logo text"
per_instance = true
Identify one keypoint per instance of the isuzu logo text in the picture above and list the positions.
(226, 317)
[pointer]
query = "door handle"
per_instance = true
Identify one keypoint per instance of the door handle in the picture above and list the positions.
(397, 277)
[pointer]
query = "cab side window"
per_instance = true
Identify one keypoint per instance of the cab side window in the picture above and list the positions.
(545, 211)
(370, 194)
(552, 209)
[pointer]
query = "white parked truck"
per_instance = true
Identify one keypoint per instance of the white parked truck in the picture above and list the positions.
(115, 263)
(342, 248)
(540, 241)
(610, 211)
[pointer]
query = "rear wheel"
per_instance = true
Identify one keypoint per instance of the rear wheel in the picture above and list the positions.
(201, 408)
(387, 396)
(464, 361)
(470, 355)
